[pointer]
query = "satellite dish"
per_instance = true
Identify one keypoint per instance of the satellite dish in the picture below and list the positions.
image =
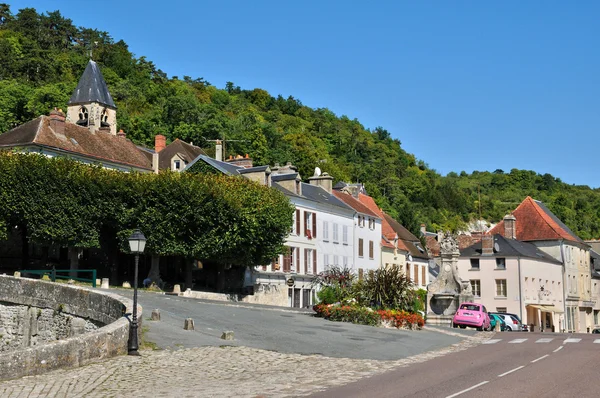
(317, 172)
(496, 247)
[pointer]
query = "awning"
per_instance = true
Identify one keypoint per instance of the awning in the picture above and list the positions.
(546, 308)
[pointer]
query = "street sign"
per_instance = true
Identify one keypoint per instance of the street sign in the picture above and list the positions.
(290, 282)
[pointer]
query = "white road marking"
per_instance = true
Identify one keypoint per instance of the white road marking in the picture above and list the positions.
(491, 341)
(559, 348)
(571, 341)
(540, 358)
(517, 341)
(510, 371)
(597, 341)
(544, 340)
(468, 389)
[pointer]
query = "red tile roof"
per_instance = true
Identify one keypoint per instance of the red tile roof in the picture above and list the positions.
(354, 203)
(536, 222)
(101, 146)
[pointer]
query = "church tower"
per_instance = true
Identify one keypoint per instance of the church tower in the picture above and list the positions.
(91, 104)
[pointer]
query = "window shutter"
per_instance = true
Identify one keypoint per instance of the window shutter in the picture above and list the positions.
(423, 278)
(297, 259)
(306, 223)
(287, 259)
(297, 222)
(360, 247)
(314, 226)
(370, 249)
(315, 262)
(416, 274)
(408, 271)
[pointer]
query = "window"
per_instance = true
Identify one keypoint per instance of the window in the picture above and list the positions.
(360, 247)
(326, 231)
(361, 221)
(596, 312)
(371, 249)
(177, 165)
(476, 287)
(335, 233)
(336, 260)
(310, 225)
(326, 261)
(501, 310)
(294, 215)
(104, 118)
(345, 234)
(310, 261)
(371, 223)
(500, 263)
(416, 274)
(83, 114)
(500, 287)
(474, 263)
(423, 276)
(345, 260)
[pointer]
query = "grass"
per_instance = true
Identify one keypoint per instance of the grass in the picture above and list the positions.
(145, 343)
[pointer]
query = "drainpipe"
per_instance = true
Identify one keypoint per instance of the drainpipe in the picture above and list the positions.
(520, 290)
(564, 268)
(355, 241)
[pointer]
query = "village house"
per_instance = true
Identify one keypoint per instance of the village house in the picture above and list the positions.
(508, 275)
(533, 222)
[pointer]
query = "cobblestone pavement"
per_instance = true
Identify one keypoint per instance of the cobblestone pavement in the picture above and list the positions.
(211, 372)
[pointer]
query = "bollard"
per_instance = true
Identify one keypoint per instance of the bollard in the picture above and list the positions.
(127, 285)
(156, 315)
(188, 324)
(177, 289)
(497, 327)
(104, 284)
(227, 335)
(17, 274)
(98, 282)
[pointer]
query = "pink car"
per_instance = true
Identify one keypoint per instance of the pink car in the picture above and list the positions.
(471, 314)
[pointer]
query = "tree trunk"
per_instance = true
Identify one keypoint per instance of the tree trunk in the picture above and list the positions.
(188, 273)
(220, 278)
(24, 247)
(73, 260)
(154, 274)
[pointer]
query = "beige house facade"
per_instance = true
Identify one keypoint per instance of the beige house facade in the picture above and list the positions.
(508, 275)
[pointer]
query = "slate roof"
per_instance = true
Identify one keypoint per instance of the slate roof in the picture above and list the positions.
(354, 203)
(509, 248)
(92, 88)
(320, 195)
(254, 169)
(595, 264)
(78, 140)
(283, 177)
(536, 222)
(187, 151)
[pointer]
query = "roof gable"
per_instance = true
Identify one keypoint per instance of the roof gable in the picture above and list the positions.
(186, 151)
(354, 203)
(92, 88)
(534, 221)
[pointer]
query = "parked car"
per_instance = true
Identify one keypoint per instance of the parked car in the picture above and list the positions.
(523, 325)
(596, 331)
(471, 314)
(494, 319)
(512, 323)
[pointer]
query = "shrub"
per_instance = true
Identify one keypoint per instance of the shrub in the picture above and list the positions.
(386, 288)
(346, 313)
(402, 319)
(329, 295)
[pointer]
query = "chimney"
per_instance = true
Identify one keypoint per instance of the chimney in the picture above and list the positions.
(160, 143)
(219, 151)
(241, 161)
(57, 121)
(487, 245)
(121, 134)
(423, 229)
(510, 227)
(324, 181)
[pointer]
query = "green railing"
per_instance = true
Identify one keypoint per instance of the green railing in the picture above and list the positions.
(55, 274)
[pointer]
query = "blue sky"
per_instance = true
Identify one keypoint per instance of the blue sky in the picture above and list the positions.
(464, 85)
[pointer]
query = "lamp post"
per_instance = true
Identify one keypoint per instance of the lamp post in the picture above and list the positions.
(137, 243)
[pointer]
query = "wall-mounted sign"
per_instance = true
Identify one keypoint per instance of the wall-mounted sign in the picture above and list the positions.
(290, 282)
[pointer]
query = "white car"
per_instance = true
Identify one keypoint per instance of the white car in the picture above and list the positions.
(512, 323)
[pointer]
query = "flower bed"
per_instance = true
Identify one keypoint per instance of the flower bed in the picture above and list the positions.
(367, 316)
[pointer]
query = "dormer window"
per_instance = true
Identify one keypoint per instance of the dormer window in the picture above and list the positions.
(104, 118)
(177, 165)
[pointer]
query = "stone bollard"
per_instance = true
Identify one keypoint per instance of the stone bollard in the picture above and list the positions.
(189, 324)
(497, 327)
(177, 289)
(127, 285)
(98, 282)
(227, 335)
(104, 284)
(46, 278)
(17, 274)
(156, 315)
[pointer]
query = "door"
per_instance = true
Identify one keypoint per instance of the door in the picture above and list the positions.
(306, 298)
(297, 293)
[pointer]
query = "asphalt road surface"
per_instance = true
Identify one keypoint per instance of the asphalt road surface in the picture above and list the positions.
(508, 365)
(278, 329)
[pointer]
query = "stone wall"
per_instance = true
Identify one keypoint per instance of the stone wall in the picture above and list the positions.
(59, 310)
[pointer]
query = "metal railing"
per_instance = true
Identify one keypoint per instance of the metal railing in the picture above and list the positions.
(55, 274)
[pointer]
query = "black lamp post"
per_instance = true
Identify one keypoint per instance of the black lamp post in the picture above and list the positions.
(137, 243)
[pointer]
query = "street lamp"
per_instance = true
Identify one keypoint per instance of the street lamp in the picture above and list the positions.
(137, 243)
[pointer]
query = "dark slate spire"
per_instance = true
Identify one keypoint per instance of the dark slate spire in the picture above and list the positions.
(92, 88)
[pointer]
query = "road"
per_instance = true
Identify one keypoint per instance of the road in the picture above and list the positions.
(509, 364)
(279, 329)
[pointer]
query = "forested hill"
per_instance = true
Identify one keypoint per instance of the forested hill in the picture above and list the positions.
(43, 55)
